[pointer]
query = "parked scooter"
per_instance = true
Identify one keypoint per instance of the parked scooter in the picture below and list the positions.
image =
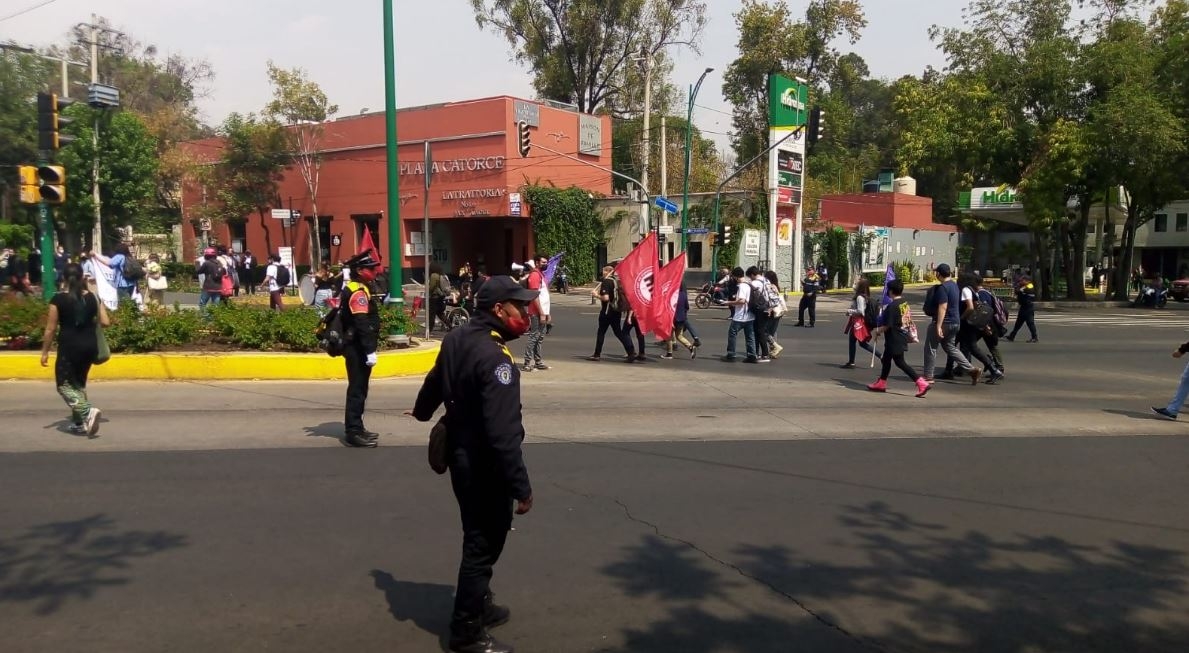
(1151, 297)
(562, 281)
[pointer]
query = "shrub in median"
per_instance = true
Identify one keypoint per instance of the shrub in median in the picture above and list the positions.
(154, 329)
(22, 321)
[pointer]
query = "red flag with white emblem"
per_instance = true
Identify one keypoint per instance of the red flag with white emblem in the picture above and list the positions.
(365, 243)
(636, 275)
(664, 305)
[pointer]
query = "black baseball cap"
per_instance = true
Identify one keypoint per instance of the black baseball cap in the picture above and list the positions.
(501, 289)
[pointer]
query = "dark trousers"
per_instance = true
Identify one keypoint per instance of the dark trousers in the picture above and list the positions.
(486, 517)
(689, 328)
(968, 339)
(359, 375)
(807, 302)
(761, 335)
(1025, 316)
(855, 343)
(612, 320)
(898, 359)
(437, 310)
(630, 325)
(275, 300)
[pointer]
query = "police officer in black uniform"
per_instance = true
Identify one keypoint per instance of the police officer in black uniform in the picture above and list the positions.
(361, 324)
(477, 379)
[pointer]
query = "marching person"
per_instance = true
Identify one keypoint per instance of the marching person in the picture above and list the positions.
(895, 320)
(477, 379)
(361, 324)
(1026, 313)
(811, 285)
(1174, 407)
(610, 317)
(73, 314)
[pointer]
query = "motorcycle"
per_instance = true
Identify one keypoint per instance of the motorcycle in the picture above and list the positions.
(710, 295)
(562, 282)
(1151, 297)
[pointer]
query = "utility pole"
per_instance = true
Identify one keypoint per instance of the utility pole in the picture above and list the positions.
(646, 63)
(664, 161)
(395, 255)
(93, 40)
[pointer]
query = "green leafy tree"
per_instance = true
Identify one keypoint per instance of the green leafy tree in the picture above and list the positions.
(705, 163)
(21, 77)
(579, 50)
(565, 220)
(127, 175)
(303, 108)
(247, 176)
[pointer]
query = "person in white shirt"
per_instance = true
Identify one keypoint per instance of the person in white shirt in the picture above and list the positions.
(742, 319)
(275, 291)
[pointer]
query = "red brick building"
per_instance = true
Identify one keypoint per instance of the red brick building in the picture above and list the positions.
(904, 226)
(476, 212)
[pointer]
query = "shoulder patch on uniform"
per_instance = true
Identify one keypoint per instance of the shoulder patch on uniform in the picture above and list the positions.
(503, 373)
(359, 302)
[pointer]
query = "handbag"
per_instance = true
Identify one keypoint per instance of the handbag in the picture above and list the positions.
(102, 351)
(158, 282)
(858, 328)
(438, 457)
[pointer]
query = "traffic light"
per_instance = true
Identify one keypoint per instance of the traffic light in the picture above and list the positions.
(525, 140)
(816, 126)
(53, 184)
(50, 122)
(724, 235)
(29, 191)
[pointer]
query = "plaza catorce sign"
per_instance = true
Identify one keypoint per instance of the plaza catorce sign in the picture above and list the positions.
(468, 164)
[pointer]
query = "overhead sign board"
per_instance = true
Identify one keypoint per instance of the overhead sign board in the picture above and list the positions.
(788, 102)
(664, 204)
(528, 112)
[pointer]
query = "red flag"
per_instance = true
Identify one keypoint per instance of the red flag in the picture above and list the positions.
(636, 274)
(665, 305)
(366, 243)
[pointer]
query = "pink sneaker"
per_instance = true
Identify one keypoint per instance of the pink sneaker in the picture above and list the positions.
(880, 385)
(922, 386)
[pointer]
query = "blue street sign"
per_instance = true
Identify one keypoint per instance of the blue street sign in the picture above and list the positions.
(664, 204)
(695, 231)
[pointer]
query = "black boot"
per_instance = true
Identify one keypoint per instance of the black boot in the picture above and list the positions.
(471, 637)
(359, 439)
(493, 614)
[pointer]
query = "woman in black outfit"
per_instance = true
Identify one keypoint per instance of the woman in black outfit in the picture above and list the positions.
(73, 315)
(894, 320)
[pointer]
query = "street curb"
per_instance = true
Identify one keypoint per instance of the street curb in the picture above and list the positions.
(224, 366)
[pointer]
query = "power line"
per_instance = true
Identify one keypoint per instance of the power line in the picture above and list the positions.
(27, 10)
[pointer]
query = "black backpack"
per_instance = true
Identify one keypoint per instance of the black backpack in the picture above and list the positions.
(930, 306)
(133, 270)
(619, 299)
(331, 336)
(757, 301)
(870, 314)
(282, 276)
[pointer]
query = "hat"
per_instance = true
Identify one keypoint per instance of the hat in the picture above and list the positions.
(943, 270)
(362, 260)
(209, 251)
(502, 289)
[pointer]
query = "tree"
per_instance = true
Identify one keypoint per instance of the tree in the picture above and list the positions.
(578, 50)
(21, 77)
(127, 174)
(705, 164)
(771, 41)
(248, 174)
(302, 107)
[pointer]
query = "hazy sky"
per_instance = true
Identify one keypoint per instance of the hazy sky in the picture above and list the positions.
(441, 54)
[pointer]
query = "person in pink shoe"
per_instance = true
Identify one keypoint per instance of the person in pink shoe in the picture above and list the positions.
(894, 326)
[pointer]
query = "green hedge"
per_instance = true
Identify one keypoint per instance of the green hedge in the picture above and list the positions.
(229, 326)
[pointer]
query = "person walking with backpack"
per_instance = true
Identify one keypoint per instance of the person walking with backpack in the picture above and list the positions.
(612, 301)
(73, 317)
(760, 308)
(276, 277)
(680, 316)
(742, 319)
(778, 310)
(861, 308)
(212, 273)
(943, 304)
(998, 326)
(896, 318)
(811, 285)
(126, 270)
(977, 319)
(439, 288)
(1026, 299)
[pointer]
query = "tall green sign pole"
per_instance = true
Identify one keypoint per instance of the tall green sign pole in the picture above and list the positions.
(689, 131)
(395, 253)
(45, 222)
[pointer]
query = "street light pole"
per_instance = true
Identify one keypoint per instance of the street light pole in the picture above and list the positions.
(689, 130)
(396, 256)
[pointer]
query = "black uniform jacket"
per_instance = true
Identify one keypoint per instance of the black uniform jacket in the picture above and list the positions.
(362, 317)
(477, 378)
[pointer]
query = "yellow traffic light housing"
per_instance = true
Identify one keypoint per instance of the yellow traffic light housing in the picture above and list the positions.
(713, 239)
(53, 184)
(50, 121)
(30, 194)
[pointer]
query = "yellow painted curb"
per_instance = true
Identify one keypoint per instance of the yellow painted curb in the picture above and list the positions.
(230, 366)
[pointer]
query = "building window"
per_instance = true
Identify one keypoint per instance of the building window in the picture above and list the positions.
(1161, 223)
(695, 254)
(1183, 222)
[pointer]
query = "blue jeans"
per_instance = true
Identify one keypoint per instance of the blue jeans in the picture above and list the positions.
(209, 297)
(1178, 399)
(749, 334)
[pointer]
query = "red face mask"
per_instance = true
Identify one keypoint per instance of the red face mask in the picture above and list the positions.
(515, 320)
(366, 275)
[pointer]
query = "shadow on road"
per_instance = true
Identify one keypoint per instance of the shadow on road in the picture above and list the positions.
(427, 605)
(325, 430)
(910, 585)
(51, 564)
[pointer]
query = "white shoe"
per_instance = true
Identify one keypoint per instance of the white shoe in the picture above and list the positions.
(776, 349)
(91, 423)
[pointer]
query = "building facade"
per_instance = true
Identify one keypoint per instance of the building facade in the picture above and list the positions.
(901, 225)
(474, 203)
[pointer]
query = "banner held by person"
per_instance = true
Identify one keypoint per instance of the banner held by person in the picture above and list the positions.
(551, 267)
(636, 275)
(888, 277)
(664, 306)
(365, 243)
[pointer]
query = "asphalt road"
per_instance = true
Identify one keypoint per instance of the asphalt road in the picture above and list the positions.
(687, 506)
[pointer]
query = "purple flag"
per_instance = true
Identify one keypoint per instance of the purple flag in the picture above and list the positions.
(888, 277)
(551, 267)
